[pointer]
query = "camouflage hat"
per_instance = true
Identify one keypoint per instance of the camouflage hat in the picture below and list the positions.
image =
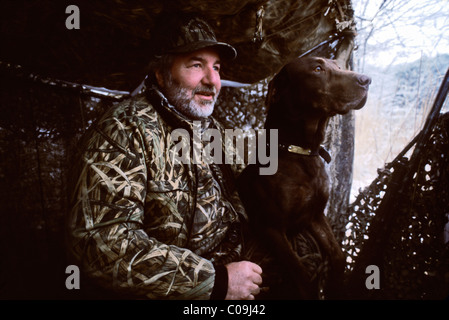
(191, 35)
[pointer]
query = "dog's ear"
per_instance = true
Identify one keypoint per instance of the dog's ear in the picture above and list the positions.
(271, 93)
(275, 87)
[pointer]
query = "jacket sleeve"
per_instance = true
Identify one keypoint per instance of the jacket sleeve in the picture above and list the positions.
(106, 224)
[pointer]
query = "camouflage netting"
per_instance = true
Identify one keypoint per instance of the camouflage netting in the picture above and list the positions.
(400, 222)
(45, 108)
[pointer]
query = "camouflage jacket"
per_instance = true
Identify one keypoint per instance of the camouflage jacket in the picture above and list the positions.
(142, 221)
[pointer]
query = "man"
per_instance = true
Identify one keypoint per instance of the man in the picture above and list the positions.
(145, 224)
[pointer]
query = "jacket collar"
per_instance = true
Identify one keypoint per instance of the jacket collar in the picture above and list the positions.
(169, 113)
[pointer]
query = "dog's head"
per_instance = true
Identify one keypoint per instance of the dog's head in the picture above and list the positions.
(312, 84)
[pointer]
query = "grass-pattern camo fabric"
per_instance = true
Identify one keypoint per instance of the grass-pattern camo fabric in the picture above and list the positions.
(142, 221)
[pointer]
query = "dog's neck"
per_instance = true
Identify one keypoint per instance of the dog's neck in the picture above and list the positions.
(307, 133)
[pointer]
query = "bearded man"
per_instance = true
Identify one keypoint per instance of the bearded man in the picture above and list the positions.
(145, 224)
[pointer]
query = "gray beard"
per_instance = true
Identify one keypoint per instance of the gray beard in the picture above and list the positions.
(184, 103)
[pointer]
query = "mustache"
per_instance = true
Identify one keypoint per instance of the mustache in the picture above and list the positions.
(205, 90)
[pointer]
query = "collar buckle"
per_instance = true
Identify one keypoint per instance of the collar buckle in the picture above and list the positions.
(298, 150)
(307, 152)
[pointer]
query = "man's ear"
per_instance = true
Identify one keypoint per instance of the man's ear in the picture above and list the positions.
(159, 78)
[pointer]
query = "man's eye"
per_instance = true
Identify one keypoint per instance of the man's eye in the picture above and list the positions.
(196, 65)
(217, 68)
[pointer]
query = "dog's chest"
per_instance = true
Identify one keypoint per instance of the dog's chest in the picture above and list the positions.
(308, 183)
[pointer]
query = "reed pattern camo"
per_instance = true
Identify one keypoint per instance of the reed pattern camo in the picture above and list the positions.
(143, 221)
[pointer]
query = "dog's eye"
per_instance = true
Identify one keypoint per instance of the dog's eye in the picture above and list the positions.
(318, 69)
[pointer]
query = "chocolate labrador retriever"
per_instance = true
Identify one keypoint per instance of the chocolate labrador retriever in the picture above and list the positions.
(301, 98)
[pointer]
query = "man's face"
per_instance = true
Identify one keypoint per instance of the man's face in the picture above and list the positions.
(193, 83)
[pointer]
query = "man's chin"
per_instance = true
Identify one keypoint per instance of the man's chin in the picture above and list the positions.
(198, 110)
(205, 110)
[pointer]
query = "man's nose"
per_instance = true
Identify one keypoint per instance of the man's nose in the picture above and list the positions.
(212, 77)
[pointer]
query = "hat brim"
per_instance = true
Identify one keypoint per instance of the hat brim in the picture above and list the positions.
(226, 51)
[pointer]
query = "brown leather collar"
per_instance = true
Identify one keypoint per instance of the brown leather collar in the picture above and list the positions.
(306, 152)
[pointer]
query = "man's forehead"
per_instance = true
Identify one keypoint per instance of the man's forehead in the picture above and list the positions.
(207, 54)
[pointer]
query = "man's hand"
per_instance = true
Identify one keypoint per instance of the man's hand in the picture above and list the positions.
(244, 280)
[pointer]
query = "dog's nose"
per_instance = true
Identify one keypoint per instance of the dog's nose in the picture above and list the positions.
(364, 80)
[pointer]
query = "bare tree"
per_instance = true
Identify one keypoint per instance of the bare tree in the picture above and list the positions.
(400, 27)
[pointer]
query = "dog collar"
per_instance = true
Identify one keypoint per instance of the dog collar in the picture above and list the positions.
(306, 152)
